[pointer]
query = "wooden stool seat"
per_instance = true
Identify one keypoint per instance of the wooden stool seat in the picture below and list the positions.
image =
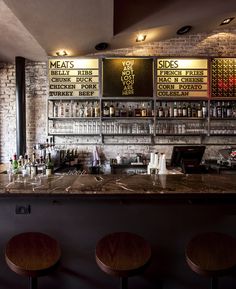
(211, 254)
(122, 254)
(32, 254)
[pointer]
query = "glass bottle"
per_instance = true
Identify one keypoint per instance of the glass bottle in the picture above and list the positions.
(143, 110)
(184, 110)
(175, 110)
(112, 110)
(49, 166)
(106, 111)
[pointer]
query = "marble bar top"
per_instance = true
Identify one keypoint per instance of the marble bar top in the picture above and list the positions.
(120, 185)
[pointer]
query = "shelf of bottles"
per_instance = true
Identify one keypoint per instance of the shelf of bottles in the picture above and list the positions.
(221, 115)
(171, 117)
(74, 117)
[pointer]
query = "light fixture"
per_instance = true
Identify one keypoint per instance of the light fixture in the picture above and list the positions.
(61, 53)
(140, 37)
(184, 29)
(101, 46)
(227, 21)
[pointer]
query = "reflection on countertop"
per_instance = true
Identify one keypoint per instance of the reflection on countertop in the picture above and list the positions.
(146, 185)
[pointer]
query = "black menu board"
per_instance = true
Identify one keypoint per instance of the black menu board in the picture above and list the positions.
(223, 82)
(128, 77)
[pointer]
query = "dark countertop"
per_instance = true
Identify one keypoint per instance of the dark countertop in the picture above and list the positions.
(158, 186)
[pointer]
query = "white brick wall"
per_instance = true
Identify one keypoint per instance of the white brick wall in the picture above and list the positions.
(216, 43)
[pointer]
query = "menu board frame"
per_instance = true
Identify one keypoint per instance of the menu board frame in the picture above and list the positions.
(173, 85)
(128, 80)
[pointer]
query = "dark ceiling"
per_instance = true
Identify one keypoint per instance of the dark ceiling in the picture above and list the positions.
(37, 28)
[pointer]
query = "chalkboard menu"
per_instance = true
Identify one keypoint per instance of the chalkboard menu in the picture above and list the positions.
(73, 77)
(182, 77)
(127, 77)
(223, 77)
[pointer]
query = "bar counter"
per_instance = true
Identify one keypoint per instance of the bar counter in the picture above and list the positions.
(148, 186)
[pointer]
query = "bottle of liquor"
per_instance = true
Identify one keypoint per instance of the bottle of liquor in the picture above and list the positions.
(92, 110)
(49, 166)
(130, 111)
(14, 164)
(96, 110)
(185, 113)
(180, 110)
(194, 111)
(143, 110)
(229, 110)
(86, 109)
(67, 110)
(204, 109)
(61, 109)
(106, 111)
(55, 109)
(189, 110)
(117, 110)
(34, 167)
(149, 110)
(137, 111)
(224, 110)
(171, 110)
(112, 110)
(123, 111)
(175, 109)
(199, 111)
(166, 110)
(160, 110)
(218, 110)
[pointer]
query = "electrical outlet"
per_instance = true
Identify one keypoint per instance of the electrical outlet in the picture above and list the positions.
(23, 209)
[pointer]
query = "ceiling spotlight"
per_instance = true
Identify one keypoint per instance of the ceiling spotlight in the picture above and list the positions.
(184, 29)
(61, 53)
(101, 46)
(140, 37)
(227, 21)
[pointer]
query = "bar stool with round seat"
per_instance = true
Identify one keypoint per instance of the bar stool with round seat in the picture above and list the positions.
(212, 255)
(122, 254)
(32, 254)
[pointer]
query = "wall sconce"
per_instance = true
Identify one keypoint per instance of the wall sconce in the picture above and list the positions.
(61, 53)
(140, 37)
(227, 21)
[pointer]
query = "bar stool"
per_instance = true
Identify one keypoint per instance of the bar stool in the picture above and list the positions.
(211, 255)
(122, 254)
(32, 254)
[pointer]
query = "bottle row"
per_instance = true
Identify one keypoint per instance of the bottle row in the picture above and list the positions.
(181, 128)
(31, 166)
(74, 109)
(167, 109)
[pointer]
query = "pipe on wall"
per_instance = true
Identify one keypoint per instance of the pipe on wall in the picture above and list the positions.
(20, 106)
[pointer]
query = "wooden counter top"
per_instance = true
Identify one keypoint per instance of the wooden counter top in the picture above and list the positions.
(120, 185)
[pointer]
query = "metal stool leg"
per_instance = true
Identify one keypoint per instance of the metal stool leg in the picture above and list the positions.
(214, 283)
(123, 283)
(33, 284)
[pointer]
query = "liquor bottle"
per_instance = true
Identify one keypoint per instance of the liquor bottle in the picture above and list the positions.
(166, 110)
(160, 110)
(106, 111)
(117, 110)
(112, 110)
(194, 111)
(55, 109)
(34, 167)
(185, 113)
(214, 112)
(229, 110)
(218, 110)
(130, 111)
(171, 110)
(149, 110)
(92, 110)
(49, 166)
(14, 164)
(175, 110)
(123, 111)
(96, 110)
(137, 111)
(224, 110)
(86, 109)
(61, 109)
(199, 111)
(204, 109)
(67, 110)
(143, 110)
(180, 110)
(189, 110)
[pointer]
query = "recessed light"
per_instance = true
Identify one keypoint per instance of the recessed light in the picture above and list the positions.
(184, 29)
(101, 46)
(61, 53)
(140, 37)
(227, 21)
